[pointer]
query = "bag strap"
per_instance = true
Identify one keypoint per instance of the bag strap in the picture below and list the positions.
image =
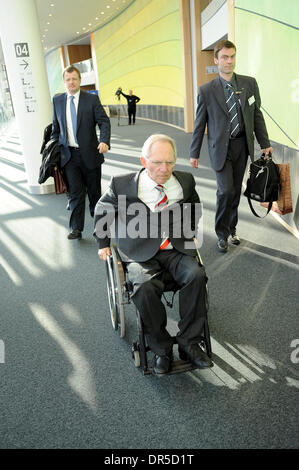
(255, 213)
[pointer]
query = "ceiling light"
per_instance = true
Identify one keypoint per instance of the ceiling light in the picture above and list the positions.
(52, 4)
(50, 14)
(97, 18)
(107, 6)
(48, 22)
(102, 13)
(89, 24)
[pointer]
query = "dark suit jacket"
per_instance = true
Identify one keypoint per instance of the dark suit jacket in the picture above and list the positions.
(212, 110)
(143, 248)
(90, 112)
(132, 100)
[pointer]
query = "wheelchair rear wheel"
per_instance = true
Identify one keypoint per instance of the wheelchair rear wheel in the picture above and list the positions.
(115, 282)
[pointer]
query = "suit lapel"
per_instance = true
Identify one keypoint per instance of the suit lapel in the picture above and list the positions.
(219, 94)
(241, 87)
(183, 183)
(62, 105)
(80, 108)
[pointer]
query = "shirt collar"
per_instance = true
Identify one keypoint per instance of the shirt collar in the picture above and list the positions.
(231, 82)
(153, 183)
(76, 95)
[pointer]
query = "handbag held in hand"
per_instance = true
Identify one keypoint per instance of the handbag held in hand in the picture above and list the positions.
(263, 184)
(60, 186)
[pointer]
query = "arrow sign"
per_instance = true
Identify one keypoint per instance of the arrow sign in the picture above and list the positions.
(24, 64)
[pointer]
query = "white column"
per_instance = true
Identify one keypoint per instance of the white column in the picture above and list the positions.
(193, 56)
(26, 70)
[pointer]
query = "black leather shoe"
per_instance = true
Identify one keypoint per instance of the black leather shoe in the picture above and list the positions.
(162, 364)
(195, 355)
(222, 245)
(75, 234)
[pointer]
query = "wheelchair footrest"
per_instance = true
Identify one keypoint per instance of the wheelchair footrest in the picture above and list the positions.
(177, 367)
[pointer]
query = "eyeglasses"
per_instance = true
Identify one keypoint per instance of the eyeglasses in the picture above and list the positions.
(155, 163)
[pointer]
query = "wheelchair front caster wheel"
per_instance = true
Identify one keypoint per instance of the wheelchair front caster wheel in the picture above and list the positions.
(137, 358)
(136, 354)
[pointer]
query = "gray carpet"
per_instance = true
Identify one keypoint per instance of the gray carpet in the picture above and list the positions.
(68, 381)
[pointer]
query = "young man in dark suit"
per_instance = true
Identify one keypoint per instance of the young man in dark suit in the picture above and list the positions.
(76, 114)
(230, 107)
(147, 255)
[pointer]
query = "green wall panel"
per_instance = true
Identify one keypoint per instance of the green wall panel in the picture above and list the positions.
(267, 38)
(141, 50)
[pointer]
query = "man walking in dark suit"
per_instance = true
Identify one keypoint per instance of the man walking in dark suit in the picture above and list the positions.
(76, 114)
(147, 255)
(230, 107)
(132, 100)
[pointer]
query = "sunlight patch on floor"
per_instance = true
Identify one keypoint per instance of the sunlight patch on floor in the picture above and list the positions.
(81, 378)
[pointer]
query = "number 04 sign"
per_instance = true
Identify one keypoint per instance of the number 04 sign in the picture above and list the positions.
(25, 70)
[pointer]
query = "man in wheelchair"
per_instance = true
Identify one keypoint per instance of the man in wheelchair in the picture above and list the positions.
(154, 241)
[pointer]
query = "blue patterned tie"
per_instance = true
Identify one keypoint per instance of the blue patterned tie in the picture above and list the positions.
(74, 118)
(232, 109)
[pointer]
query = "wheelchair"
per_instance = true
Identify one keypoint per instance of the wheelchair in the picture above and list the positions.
(119, 291)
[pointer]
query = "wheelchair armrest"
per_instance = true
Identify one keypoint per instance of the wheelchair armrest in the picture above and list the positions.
(118, 264)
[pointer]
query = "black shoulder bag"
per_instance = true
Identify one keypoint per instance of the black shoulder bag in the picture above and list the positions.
(263, 183)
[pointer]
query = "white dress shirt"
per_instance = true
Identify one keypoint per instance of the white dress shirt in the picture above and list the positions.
(148, 193)
(69, 125)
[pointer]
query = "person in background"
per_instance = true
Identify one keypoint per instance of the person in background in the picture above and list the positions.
(230, 107)
(132, 100)
(75, 116)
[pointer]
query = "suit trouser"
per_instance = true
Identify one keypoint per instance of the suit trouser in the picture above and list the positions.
(147, 280)
(131, 114)
(80, 180)
(229, 186)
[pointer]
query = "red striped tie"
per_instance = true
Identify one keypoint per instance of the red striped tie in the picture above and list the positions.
(159, 206)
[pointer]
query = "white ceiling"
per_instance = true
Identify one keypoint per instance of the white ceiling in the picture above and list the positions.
(71, 21)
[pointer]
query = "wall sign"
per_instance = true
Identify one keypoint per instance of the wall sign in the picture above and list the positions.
(25, 70)
(211, 69)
